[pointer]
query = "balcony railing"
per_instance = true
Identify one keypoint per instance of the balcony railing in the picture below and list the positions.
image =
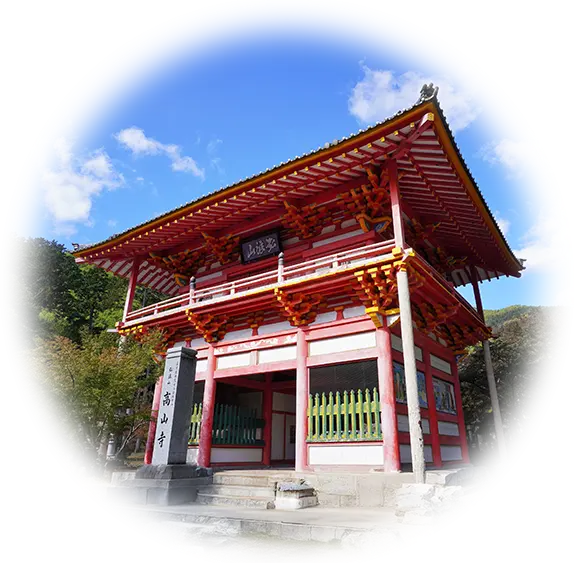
(333, 263)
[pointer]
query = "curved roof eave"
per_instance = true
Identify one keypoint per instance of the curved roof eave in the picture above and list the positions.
(297, 161)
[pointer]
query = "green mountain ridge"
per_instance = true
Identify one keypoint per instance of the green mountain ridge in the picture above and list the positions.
(495, 318)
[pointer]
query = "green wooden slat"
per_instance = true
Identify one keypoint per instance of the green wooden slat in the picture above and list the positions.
(323, 416)
(225, 422)
(377, 411)
(360, 413)
(368, 433)
(214, 432)
(338, 416)
(240, 421)
(345, 415)
(233, 426)
(330, 407)
(237, 424)
(222, 426)
(229, 425)
(241, 424)
(353, 435)
(316, 418)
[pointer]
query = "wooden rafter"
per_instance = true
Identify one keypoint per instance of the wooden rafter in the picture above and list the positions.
(453, 220)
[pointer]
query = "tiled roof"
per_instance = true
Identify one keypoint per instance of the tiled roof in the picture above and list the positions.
(81, 247)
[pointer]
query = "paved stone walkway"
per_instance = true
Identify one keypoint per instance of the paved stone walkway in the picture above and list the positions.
(274, 550)
(319, 524)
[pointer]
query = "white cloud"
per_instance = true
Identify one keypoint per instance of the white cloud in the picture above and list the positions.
(541, 246)
(511, 154)
(380, 94)
(134, 139)
(504, 224)
(565, 297)
(72, 183)
(99, 165)
(567, 229)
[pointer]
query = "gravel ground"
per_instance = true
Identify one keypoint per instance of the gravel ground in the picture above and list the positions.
(275, 550)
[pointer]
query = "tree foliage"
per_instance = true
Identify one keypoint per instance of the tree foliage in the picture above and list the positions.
(517, 350)
(103, 388)
(64, 298)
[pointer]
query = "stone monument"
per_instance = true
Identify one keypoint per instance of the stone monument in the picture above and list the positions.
(169, 480)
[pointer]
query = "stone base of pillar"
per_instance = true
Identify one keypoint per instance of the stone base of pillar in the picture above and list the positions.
(165, 484)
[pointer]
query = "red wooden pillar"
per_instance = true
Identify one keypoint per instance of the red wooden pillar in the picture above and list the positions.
(459, 412)
(433, 421)
(268, 417)
(205, 433)
(153, 421)
(302, 381)
(392, 461)
(132, 284)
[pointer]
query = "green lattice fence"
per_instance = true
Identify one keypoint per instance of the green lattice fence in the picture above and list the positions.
(232, 425)
(352, 416)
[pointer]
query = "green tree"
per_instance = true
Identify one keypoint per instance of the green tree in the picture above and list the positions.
(99, 299)
(517, 350)
(63, 298)
(102, 388)
(47, 270)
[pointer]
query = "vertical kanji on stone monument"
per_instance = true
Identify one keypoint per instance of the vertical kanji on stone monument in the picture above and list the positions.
(176, 402)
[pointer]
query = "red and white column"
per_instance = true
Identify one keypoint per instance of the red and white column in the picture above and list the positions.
(302, 382)
(459, 412)
(389, 426)
(205, 433)
(268, 417)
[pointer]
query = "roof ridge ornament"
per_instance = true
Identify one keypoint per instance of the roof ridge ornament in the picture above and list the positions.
(428, 92)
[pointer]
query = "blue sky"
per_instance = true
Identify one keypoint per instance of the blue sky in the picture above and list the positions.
(205, 122)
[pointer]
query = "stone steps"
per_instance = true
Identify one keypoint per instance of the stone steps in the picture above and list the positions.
(249, 479)
(239, 491)
(236, 500)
